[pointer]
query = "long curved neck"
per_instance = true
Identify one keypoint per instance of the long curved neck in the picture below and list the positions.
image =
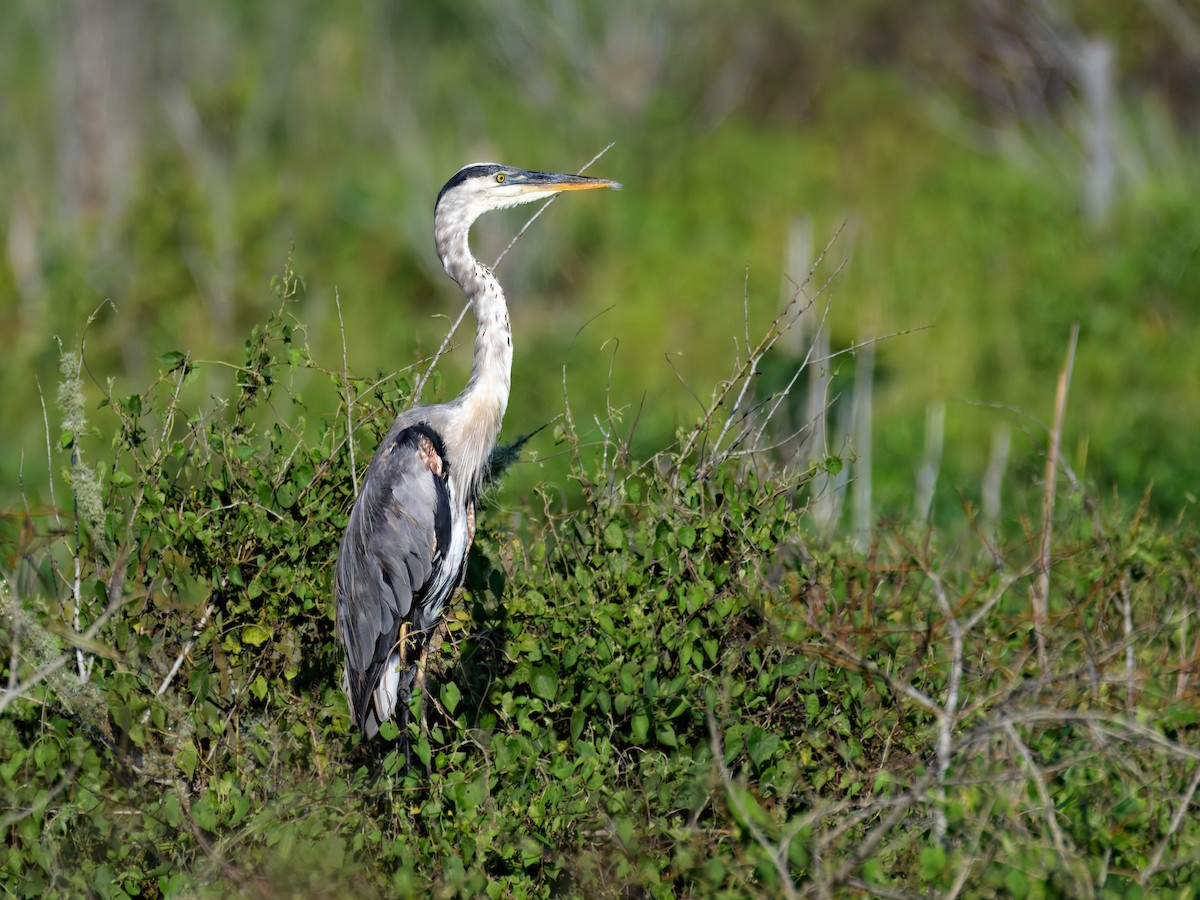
(481, 405)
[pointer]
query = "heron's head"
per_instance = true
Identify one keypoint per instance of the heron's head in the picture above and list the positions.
(481, 187)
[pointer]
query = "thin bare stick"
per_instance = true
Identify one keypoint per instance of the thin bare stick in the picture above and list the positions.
(751, 361)
(862, 517)
(187, 648)
(949, 713)
(866, 846)
(1127, 625)
(993, 482)
(416, 396)
(542, 209)
(1121, 728)
(755, 427)
(42, 801)
(836, 651)
(783, 320)
(172, 408)
(77, 579)
(779, 326)
(777, 855)
(1039, 782)
(567, 417)
(1001, 590)
(931, 462)
(9, 586)
(1176, 821)
(1041, 596)
(337, 300)
(49, 453)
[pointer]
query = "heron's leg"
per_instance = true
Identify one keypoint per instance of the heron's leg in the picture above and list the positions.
(402, 702)
(403, 744)
(435, 637)
(420, 681)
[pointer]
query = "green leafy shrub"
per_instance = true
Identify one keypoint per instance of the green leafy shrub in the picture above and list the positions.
(668, 690)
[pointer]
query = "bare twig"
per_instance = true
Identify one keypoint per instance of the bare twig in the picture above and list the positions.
(1041, 596)
(783, 321)
(777, 854)
(187, 648)
(1050, 809)
(116, 599)
(862, 517)
(416, 395)
(337, 300)
(837, 652)
(1127, 627)
(43, 800)
(993, 482)
(49, 453)
(949, 710)
(931, 462)
(543, 207)
(1176, 821)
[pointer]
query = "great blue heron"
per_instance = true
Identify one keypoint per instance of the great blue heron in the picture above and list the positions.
(404, 552)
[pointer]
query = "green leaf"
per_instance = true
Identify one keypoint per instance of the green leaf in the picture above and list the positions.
(258, 687)
(450, 696)
(205, 814)
(747, 810)
(614, 536)
(872, 870)
(761, 745)
(639, 727)
(172, 359)
(421, 748)
(933, 862)
(285, 495)
(1016, 883)
(187, 758)
(170, 809)
(255, 635)
(544, 682)
(9, 768)
(833, 464)
(687, 536)
(388, 731)
(469, 795)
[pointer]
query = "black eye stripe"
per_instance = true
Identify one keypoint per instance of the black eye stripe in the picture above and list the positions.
(471, 171)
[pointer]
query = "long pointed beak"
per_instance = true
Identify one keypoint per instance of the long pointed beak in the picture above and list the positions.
(545, 181)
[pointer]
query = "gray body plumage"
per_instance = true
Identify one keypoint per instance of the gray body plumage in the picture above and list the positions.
(404, 552)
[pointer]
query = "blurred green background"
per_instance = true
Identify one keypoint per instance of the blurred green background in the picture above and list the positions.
(1003, 170)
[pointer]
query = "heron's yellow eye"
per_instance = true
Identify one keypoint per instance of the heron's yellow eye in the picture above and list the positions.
(500, 178)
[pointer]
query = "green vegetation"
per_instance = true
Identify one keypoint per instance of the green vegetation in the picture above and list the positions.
(237, 135)
(669, 674)
(667, 689)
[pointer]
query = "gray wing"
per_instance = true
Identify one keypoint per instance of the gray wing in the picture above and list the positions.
(392, 550)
